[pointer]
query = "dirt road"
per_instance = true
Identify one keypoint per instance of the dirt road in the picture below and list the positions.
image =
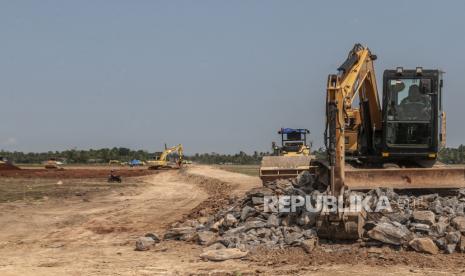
(95, 235)
(75, 235)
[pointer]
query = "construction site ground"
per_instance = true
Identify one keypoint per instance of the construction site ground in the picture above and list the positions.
(73, 222)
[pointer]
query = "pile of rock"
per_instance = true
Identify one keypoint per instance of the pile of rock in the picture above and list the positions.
(426, 223)
(244, 224)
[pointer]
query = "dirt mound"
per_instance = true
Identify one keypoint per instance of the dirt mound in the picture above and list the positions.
(72, 173)
(8, 167)
(218, 195)
(352, 254)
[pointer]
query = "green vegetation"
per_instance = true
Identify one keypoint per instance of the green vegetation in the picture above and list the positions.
(240, 158)
(252, 170)
(453, 155)
(78, 156)
(102, 156)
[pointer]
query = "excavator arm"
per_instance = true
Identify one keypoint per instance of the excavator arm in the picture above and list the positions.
(345, 124)
(178, 149)
(348, 128)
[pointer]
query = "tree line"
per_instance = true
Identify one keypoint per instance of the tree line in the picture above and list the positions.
(73, 156)
(453, 155)
(104, 155)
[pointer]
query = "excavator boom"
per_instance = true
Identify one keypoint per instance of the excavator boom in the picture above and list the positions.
(344, 122)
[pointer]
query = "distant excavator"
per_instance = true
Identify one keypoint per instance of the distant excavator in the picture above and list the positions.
(162, 161)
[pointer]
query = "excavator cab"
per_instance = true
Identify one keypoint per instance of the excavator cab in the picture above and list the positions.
(412, 115)
(157, 155)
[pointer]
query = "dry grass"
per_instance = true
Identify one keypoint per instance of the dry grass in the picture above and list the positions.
(252, 170)
(13, 189)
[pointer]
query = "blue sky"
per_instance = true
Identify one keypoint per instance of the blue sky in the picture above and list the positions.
(217, 76)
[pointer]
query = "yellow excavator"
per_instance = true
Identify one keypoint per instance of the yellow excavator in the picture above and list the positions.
(289, 159)
(161, 160)
(372, 144)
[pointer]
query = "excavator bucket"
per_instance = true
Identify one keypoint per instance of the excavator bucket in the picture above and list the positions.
(341, 226)
(282, 167)
(406, 178)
